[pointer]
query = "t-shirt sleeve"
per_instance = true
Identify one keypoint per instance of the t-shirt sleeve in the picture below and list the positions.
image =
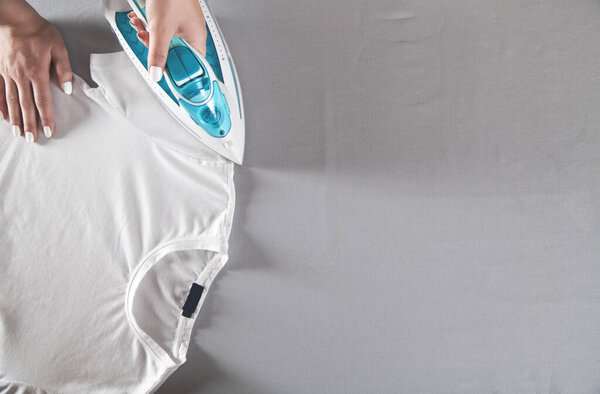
(128, 93)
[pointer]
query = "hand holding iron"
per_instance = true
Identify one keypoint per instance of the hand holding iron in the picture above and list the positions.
(165, 21)
(189, 68)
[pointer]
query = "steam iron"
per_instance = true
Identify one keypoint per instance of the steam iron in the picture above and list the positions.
(202, 93)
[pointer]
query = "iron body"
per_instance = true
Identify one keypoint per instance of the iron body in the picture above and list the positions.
(201, 92)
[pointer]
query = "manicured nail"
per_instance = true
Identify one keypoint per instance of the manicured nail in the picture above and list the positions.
(68, 87)
(156, 73)
(29, 137)
(47, 131)
(16, 130)
(1, 115)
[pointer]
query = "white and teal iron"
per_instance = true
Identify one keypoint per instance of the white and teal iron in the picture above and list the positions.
(202, 93)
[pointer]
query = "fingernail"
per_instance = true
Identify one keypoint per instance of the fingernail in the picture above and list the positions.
(156, 73)
(68, 87)
(16, 130)
(1, 115)
(47, 131)
(29, 137)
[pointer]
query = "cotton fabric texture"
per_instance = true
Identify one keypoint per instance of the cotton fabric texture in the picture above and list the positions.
(104, 228)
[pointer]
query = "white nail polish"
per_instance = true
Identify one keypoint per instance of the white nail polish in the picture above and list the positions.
(156, 73)
(1, 115)
(47, 131)
(29, 137)
(16, 130)
(68, 87)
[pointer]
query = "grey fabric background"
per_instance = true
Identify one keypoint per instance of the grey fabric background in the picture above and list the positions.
(419, 207)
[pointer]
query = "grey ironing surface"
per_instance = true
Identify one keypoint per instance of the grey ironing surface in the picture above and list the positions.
(418, 209)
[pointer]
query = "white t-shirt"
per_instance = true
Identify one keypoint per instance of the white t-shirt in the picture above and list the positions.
(106, 231)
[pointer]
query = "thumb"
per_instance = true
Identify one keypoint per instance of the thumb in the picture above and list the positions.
(62, 68)
(160, 39)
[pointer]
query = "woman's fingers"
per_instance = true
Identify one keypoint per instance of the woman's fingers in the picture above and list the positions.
(27, 110)
(3, 108)
(20, 101)
(43, 102)
(24, 98)
(12, 102)
(26, 62)
(144, 37)
(62, 68)
(137, 23)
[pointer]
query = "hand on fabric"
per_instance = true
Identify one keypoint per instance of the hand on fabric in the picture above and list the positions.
(29, 45)
(165, 20)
